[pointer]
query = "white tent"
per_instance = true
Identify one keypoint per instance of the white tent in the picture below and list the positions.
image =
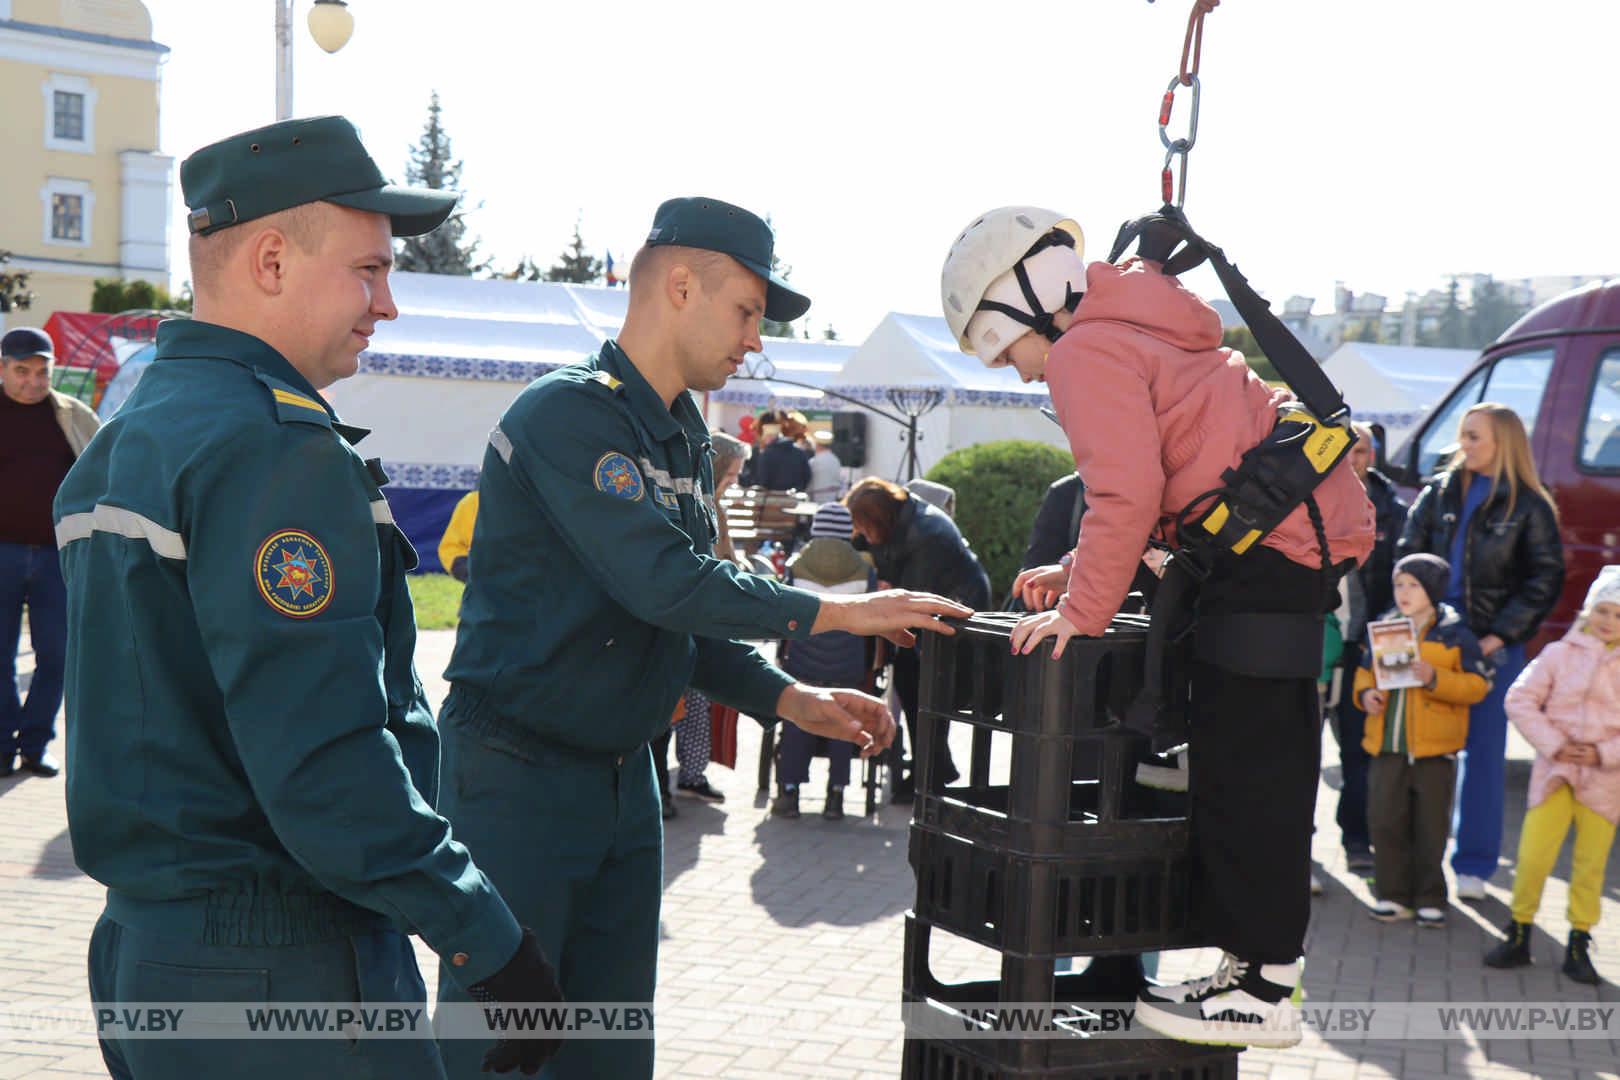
(915, 354)
(434, 382)
(1395, 385)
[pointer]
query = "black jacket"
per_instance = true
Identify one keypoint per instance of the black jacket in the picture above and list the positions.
(927, 552)
(1057, 523)
(1377, 571)
(781, 466)
(1513, 564)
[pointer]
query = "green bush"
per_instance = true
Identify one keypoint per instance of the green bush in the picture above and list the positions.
(999, 487)
(437, 599)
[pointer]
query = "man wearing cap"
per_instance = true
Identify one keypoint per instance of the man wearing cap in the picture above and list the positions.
(594, 600)
(255, 765)
(42, 432)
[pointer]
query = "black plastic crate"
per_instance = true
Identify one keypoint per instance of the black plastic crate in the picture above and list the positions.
(972, 676)
(1117, 898)
(1026, 979)
(1107, 1059)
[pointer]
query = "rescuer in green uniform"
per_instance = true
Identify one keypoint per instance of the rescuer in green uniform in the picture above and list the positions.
(594, 600)
(253, 766)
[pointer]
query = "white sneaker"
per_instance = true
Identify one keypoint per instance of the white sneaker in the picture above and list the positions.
(1470, 887)
(1242, 1004)
(1164, 777)
(1316, 884)
(1390, 911)
(1431, 917)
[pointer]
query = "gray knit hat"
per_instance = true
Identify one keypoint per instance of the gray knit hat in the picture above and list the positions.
(1431, 571)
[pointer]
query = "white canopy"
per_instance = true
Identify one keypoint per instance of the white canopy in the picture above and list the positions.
(1395, 385)
(917, 352)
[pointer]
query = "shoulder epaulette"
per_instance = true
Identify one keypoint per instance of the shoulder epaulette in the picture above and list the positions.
(293, 406)
(606, 380)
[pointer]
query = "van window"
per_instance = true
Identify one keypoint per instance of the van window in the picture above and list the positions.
(1519, 381)
(1440, 437)
(1600, 440)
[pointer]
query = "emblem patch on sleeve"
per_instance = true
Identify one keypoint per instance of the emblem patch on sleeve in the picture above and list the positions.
(294, 574)
(618, 476)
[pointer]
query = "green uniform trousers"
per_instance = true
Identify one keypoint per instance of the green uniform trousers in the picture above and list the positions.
(574, 842)
(150, 962)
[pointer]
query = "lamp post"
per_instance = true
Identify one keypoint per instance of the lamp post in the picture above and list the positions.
(330, 24)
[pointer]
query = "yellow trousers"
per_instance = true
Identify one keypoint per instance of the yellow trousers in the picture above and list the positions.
(1542, 837)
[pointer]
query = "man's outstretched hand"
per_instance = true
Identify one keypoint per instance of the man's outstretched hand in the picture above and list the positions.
(839, 714)
(891, 614)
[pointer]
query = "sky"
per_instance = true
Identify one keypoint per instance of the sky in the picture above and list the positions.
(1384, 143)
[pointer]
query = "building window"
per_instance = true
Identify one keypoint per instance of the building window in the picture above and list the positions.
(69, 210)
(67, 217)
(67, 115)
(70, 113)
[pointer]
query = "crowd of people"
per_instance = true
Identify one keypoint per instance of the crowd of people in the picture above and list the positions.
(260, 783)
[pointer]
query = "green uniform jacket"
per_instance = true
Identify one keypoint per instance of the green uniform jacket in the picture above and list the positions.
(245, 726)
(593, 596)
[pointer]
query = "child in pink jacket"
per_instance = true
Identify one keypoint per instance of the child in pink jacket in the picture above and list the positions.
(1156, 410)
(1567, 705)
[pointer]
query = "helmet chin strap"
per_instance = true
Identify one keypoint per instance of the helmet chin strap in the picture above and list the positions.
(1036, 318)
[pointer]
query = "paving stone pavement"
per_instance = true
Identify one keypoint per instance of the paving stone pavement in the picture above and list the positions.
(777, 921)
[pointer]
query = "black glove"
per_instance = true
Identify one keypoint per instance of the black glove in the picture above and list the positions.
(527, 978)
(458, 568)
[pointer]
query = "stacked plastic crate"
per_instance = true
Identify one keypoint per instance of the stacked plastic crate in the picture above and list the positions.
(1070, 857)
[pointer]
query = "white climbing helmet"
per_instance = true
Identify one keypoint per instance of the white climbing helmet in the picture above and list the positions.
(1007, 273)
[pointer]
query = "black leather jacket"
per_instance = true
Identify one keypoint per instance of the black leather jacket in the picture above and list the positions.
(928, 553)
(1513, 563)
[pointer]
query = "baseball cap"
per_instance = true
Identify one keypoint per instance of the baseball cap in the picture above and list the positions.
(294, 162)
(712, 225)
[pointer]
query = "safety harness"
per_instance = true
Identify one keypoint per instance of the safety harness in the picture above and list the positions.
(1272, 480)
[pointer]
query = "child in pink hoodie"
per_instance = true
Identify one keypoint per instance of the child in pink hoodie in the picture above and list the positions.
(1567, 705)
(1155, 411)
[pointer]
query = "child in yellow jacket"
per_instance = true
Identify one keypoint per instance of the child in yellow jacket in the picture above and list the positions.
(1413, 736)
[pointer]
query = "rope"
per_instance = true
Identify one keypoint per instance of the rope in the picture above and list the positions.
(1194, 45)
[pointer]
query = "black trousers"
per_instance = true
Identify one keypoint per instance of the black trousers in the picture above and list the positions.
(1350, 725)
(1409, 806)
(1255, 754)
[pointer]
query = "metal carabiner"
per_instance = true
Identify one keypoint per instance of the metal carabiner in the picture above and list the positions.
(1166, 186)
(1164, 115)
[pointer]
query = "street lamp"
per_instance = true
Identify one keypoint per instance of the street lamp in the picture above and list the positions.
(330, 24)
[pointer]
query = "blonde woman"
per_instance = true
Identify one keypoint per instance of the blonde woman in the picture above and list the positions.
(1489, 515)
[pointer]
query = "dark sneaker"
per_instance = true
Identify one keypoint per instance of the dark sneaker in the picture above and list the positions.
(669, 807)
(786, 803)
(905, 791)
(1431, 917)
(834, 808)
(700, 789)
(1515, 951)
(44, 765)
(1578, 959)
(1390, 911)
(1359, 862)
(1242, 1004)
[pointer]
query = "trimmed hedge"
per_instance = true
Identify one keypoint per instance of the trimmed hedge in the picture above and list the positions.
(999, 487)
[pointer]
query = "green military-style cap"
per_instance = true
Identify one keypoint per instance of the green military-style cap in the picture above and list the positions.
(295, 162)
(713, 225)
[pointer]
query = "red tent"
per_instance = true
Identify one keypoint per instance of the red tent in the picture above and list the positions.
(85, 342)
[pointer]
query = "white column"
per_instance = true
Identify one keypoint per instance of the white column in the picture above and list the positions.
(143, 241)
(284, 60)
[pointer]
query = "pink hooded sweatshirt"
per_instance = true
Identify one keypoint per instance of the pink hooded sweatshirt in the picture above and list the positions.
(1155, 410)
(1571, 693)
